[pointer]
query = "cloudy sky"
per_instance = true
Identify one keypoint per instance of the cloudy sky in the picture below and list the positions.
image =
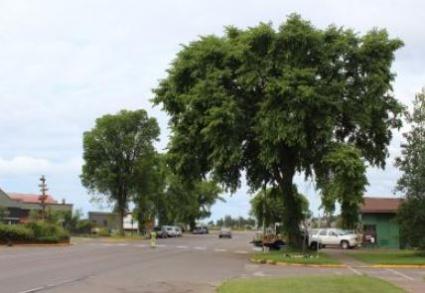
(64, 63)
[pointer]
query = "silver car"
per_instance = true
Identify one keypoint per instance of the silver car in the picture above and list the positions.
(225, 233)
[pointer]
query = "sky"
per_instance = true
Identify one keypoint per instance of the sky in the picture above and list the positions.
(65, 63)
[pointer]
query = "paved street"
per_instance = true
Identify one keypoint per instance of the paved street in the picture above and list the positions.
(193, 263)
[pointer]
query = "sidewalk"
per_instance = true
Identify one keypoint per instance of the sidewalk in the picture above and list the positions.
(410, 280)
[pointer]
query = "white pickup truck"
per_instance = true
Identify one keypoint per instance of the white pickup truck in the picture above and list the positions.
(332, 237)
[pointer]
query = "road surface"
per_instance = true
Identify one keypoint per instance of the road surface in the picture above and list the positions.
(193, 263)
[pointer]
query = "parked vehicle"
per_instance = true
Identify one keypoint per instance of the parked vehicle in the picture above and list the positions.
(332, 237)
(200, 230)
(270, 240)
(178, 231)
(160, 232)
(225, 233)
(171, 231)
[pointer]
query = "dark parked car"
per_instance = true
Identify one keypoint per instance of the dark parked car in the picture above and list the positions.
(200, 230)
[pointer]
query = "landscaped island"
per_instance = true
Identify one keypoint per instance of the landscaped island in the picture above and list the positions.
(349, 284)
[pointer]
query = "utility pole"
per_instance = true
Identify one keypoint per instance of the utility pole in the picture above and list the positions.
(43, 196)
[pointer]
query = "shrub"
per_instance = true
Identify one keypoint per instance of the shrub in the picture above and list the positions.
(47, 232)
(104, 232)
(16, 233)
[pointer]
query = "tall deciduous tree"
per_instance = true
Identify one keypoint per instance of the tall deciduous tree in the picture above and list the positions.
(412, 182)
(113, 151)
(272, 102)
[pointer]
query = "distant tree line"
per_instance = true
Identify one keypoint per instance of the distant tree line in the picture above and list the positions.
(237, 222)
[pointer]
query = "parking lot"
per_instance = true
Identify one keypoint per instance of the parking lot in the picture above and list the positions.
(192, 263)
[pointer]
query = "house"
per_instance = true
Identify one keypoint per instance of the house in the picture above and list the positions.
(111, 221)
(17, 206)
(378, 220)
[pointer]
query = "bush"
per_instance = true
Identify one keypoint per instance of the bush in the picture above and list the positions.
(33, 233)
(15, 233)
(104, 232)
(47, 232)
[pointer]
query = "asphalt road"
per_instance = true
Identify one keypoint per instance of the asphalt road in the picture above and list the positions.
(193, 263)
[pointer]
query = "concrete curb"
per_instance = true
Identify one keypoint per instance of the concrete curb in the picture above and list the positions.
(378, 266)
(280, 263)
(40, 245)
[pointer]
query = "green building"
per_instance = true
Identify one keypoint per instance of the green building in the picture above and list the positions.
(378, 220)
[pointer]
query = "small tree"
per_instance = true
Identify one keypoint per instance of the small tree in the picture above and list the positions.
(412, 182)
(341, 178)
(113, 151)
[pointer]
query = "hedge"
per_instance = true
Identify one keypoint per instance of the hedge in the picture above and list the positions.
(16, 233)
(36, 232)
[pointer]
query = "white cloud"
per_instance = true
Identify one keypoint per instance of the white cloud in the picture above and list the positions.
(64, 63)
(24, 166)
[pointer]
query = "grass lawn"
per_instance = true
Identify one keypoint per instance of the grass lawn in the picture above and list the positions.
(352, 284)
(390, 257)
(295, 257)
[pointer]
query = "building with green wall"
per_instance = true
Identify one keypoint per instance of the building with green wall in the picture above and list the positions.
(379, 224)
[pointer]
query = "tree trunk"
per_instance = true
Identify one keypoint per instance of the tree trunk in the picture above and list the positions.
(121, 221)
(292, 214)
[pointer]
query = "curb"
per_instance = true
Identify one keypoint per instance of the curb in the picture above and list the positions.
(280, 263)
(41, 245)
(378, 266)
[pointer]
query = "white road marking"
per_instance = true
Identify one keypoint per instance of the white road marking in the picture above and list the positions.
(241, 251)
(220, 250)
(354, 271)
(122, 244)
(199, 248)
(32, 290)
(161, 245)
(400, 274)
(182, 246)
(142, 245)
(259, 274)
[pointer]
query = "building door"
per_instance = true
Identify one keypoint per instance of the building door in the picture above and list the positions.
(370, 236)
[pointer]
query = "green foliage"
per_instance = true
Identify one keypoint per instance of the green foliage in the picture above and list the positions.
(271, 103)
(15, 233)
(310, 284)
(33, 232)
(237, 222)
(411, 217)
(412, 181)
(104, 232)
(412, 161)
(341, 178)
(390, 257)
(170, 198)
(48, 232)
(269, 207)
(82, 227)
(113, 151)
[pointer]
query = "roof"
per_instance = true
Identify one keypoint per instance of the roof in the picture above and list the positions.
(30, 198)
(380, 205)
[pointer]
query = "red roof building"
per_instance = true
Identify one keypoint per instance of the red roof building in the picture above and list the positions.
(380, 205)
(30, 198)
